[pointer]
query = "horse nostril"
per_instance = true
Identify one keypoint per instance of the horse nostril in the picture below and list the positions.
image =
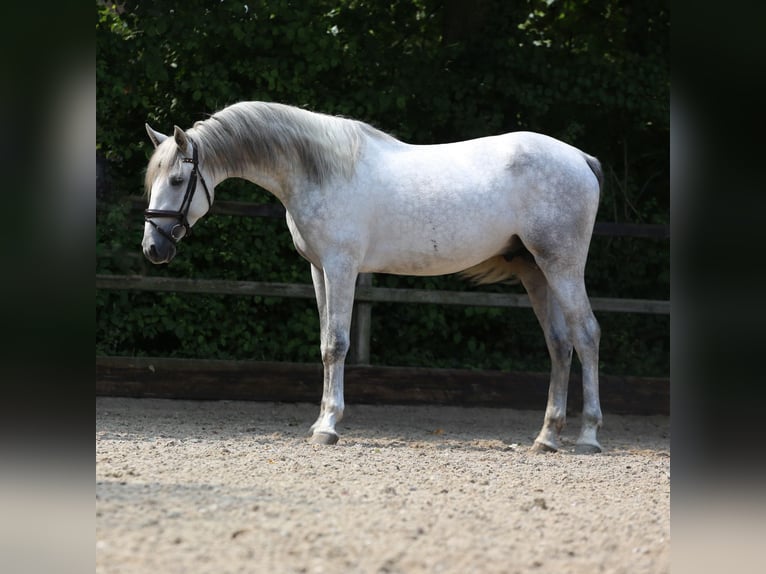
(153, 251)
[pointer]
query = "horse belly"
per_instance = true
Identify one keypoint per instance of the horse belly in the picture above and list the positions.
(438, 244)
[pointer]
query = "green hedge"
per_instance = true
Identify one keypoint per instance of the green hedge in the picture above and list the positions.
(594, 74)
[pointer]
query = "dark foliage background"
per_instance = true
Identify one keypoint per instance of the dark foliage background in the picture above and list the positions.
(592, 73)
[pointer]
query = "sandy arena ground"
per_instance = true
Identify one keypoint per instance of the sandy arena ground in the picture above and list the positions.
(220, 487)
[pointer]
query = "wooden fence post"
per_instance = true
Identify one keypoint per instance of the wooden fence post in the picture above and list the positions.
(359, 353)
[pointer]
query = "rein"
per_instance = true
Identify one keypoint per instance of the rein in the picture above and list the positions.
(182, 228)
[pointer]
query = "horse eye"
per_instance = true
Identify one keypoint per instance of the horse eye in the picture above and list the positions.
(176, 180)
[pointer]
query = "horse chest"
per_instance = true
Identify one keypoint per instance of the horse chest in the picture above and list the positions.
(320, 229)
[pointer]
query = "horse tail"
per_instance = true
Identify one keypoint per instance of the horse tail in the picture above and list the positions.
(595, 167)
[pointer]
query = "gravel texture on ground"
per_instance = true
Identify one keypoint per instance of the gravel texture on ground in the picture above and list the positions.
(219, 487)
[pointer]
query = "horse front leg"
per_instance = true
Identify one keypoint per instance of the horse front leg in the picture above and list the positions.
(317, 278)
(334, 287)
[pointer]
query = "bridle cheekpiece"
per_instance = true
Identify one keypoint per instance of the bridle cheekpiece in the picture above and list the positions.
(182, 228)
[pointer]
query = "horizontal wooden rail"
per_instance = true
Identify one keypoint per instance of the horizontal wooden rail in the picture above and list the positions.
(207, 379)
(644, 230)
(248, 209)
(363, 293)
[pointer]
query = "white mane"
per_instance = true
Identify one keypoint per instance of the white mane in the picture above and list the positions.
(270, 136)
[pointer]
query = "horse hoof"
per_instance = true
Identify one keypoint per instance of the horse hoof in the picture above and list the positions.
(587, 449)
(324, 438)
(540, 447)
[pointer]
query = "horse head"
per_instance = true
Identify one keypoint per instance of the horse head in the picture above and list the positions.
(172, 180)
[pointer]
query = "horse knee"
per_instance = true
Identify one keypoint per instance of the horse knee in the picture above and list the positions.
(335, 348)
(592, 331)
(560, 346)
(587, 333)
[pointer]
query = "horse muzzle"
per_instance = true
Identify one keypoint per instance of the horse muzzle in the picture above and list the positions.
(159, 251)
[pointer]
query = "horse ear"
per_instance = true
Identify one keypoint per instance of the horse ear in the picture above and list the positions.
(156, 137)
(181, 140)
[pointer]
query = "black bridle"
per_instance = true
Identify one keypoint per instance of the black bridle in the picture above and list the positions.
(182, 228)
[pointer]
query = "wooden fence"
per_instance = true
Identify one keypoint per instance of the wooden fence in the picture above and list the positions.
(223, 379)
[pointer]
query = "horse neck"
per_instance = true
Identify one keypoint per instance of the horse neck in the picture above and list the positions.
(276, 182)
(274, 177)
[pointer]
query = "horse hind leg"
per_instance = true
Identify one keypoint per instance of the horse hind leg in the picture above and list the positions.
(559, 343)
(567, 285)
